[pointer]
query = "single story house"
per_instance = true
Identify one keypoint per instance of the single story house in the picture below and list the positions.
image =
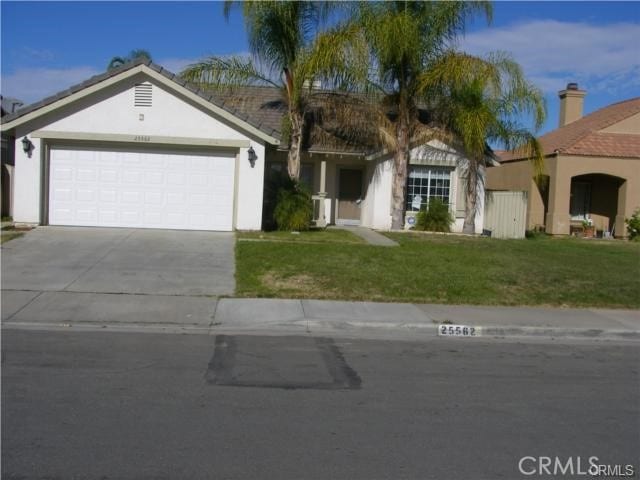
(592, 168)
(139, 147)
(7, 106)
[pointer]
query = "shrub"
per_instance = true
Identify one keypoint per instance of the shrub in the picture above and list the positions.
(435, 218)
(633, 226)
(536, 232)
(294, 208)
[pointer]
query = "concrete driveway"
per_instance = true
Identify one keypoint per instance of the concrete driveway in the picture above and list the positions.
(110, 260)
(56, 263)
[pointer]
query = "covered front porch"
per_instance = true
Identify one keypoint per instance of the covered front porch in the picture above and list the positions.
(356, 190)
(342, 185)
(579, 197)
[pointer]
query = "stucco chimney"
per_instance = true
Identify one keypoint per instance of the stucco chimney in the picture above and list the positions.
(571, 103)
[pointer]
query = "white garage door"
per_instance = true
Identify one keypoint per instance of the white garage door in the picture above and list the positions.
(144, 189)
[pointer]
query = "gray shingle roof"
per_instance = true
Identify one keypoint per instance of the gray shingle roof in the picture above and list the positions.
(260, 107)
(263, 124)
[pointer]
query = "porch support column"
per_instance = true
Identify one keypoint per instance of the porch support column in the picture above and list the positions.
(623, 210)
(322, 220)
(558, 218)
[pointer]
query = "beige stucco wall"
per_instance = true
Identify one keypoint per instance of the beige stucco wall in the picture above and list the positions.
(519, 176)
(568, 166)
(624, 190)
(629, 125)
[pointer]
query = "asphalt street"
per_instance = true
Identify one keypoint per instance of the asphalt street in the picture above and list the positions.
(101, 405)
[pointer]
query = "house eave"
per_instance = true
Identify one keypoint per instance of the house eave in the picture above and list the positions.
(155, 75)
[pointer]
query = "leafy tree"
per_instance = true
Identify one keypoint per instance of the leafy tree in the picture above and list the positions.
(289, 53)
(132, 56)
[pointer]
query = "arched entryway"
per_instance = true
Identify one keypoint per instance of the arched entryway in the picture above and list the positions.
(597, 196)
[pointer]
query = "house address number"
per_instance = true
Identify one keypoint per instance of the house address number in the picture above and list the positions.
(458, 330)
(142, 138)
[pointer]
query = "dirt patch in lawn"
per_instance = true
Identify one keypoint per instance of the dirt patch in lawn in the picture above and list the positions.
(294, 282)
(297, 286)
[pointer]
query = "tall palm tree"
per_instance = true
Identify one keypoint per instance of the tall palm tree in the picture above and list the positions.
(482, 104)
(289, 53)
(405, 38)
(132, 56)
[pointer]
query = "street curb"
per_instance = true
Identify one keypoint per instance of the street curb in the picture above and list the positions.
(101, 327)
(486, 331)
(542, 332)
(378, 330)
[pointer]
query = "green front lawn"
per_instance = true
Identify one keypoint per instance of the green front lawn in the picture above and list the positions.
(440, 269)
(9, 235)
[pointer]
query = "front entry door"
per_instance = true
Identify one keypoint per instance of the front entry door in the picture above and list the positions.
(349, 195)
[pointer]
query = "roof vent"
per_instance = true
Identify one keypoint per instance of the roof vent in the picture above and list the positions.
(572, 86)
(143, 95)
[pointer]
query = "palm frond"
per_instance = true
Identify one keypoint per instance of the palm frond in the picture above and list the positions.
(336, 58)
(229, 72)
(115, 62)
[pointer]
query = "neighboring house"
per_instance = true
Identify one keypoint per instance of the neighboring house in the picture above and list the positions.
(138, 147)
(592, 168)
(7, 106)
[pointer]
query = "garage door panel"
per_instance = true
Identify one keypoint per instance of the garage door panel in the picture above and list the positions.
(176, 179)
(86, 174)
(108, 218)
(154, 198)
(130, 197)
(88, 215)
(141, 189)
(154, 178)
(108, 196)
(108, 175)
(62, 195)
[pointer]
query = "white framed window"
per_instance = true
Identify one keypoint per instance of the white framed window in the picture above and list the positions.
(425, 183)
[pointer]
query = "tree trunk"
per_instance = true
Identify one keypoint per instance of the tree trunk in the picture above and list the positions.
(295, 145)
(471, 197)
(399, 187)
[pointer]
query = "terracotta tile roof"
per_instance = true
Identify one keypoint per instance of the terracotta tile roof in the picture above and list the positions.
(583, 137)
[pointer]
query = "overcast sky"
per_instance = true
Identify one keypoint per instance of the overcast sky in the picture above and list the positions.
(48, 46)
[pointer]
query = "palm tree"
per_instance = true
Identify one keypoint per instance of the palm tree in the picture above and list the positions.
(405, 39)
(481, 104)
(287, 53)
(132, 56)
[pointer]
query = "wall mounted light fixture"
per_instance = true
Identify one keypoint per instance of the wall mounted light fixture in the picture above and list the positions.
(252, 156)
(27, 146)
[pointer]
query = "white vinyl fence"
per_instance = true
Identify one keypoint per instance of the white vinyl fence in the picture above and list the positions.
(505, 214)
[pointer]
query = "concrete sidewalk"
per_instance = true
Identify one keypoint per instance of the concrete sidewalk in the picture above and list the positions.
(207, 315)
(402, 320)
(368, 235)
